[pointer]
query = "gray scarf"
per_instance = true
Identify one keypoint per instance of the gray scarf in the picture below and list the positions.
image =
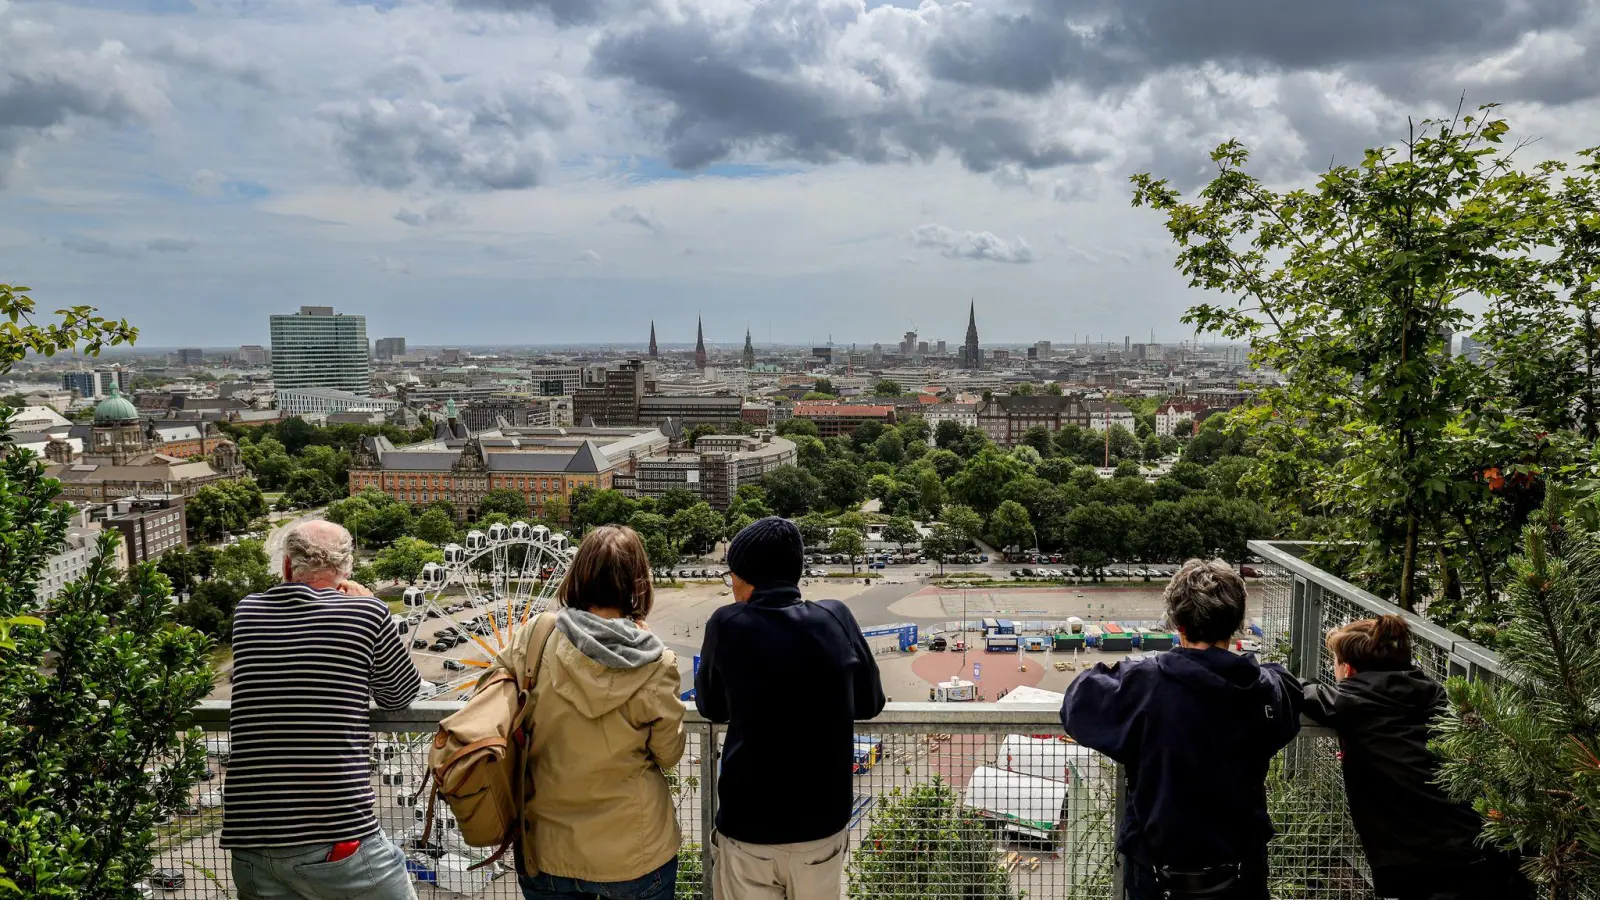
(614, 643)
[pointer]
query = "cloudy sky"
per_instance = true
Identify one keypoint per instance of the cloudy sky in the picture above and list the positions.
(540, 171)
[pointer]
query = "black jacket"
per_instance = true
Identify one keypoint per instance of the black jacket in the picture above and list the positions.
(1196, 730)
(1402, 817)
(790, 677)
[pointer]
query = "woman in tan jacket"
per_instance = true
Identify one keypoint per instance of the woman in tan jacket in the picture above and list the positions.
(607, 722)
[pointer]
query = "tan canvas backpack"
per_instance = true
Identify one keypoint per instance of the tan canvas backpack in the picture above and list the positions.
(476, 760)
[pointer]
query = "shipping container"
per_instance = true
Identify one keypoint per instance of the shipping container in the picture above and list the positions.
(995, 642)
(1068, 642)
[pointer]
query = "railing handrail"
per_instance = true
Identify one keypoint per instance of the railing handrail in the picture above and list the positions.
(1469, 653)
(1000, 718)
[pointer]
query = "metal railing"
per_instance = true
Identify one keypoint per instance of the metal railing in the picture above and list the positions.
(951, 800)
(976, 800)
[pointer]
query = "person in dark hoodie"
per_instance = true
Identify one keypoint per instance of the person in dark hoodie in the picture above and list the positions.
(1419, 843)
(790, 677)
(1195, 728)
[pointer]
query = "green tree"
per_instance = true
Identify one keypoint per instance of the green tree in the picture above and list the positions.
(930, 493)
(948, 433)
(95, 743)
(824, 386)
(1152, 448)
(890, 447)
(983, 478)
(1041, 440)
(843, 484)
(813, 529)
(794, 427)
(436, 527)
(696, 432)
(1183, 428)
(673, 499)
(403, 560)
(923, 841)
(504, 500)
(607, 507)
(849, 542)
(223, 507)
(791, 490)
(886, 388)
(556, 510)
(1053, 389)
(311, 487)
(966, 523)
(942, 542)
(1349, 289)
(901, 531)
(697, 528)
(662, 550)
(1011, 526)
(1024, 389)
(383, 526)
(1525, 749)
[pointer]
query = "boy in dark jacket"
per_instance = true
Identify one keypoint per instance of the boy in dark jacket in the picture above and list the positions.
(790, 677)
(1419, 842)
(1195, 728)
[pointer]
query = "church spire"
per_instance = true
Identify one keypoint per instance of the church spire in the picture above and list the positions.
(972, 357)
(700, 360)
(652, 338)
(749, 350)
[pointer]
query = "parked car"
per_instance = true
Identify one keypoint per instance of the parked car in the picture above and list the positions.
(1249, 572)
(1016, 573)
(420, 643)
(455, 665)
(433, 612)
(167, 879)
(440, 646)
(983, 557)
(938, 643)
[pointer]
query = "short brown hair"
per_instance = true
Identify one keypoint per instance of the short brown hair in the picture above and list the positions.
(610, 571)
(1373, 645)
(1205, 601)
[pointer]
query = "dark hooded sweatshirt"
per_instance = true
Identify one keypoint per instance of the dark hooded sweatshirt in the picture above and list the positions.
(1196, 730)
(1402, 817)
(790, 677)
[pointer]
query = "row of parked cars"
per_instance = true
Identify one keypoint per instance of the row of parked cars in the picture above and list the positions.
(698, 573)
(1115, 571)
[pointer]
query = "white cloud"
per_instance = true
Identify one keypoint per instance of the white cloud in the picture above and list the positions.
(977, 245)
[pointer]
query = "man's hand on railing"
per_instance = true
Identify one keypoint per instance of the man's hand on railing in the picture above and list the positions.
(353, 588)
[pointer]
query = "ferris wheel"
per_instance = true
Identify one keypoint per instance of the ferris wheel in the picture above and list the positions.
(484, 591)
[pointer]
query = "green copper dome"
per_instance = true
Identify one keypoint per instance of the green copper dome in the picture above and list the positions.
(115, 408)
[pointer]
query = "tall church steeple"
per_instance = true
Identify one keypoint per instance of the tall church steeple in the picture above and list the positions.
(700, 361)
(749, 350)
(972, 357)
(652, 338)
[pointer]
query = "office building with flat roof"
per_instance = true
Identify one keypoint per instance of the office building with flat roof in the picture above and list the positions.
(318, 348)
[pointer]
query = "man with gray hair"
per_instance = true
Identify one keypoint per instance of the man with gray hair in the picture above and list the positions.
(308, 655)
(1195, 729)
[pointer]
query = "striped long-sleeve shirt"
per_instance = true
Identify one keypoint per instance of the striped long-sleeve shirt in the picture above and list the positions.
(305, 663)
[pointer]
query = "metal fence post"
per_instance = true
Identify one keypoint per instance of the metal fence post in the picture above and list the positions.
(1119, 865)
(708, 806)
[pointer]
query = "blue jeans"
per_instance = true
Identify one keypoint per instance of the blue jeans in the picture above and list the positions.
(658, 885)
(376, 870)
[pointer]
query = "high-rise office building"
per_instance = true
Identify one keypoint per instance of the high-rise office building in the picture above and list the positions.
(941, 348)
(908, 344)
(389, 348)
(316, 347)
(97, 384)
(254, 355)
(186, 356)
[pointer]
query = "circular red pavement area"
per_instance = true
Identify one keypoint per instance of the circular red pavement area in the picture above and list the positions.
(999, 670)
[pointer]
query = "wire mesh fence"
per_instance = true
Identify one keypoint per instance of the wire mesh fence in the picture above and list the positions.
(966, 801)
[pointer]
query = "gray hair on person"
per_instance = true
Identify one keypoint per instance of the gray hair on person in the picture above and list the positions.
(1205, 601)
(320, 548)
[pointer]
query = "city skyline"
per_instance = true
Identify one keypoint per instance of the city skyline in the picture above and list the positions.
(546, 171)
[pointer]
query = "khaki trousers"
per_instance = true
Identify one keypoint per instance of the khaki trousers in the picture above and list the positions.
(813, 870)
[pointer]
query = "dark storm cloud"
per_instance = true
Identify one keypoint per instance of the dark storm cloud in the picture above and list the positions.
(824, 80)
(44, 91)
(736, 87)
(479, 137)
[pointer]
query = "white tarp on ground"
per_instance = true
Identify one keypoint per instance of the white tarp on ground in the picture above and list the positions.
(1023, 803)
(1051, 758)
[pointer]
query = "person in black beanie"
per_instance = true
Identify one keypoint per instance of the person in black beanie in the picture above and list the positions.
(790, 678)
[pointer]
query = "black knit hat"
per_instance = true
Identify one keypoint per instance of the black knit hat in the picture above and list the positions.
(767, 552)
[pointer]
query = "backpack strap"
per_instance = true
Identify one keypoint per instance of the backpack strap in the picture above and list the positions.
(544, 627)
